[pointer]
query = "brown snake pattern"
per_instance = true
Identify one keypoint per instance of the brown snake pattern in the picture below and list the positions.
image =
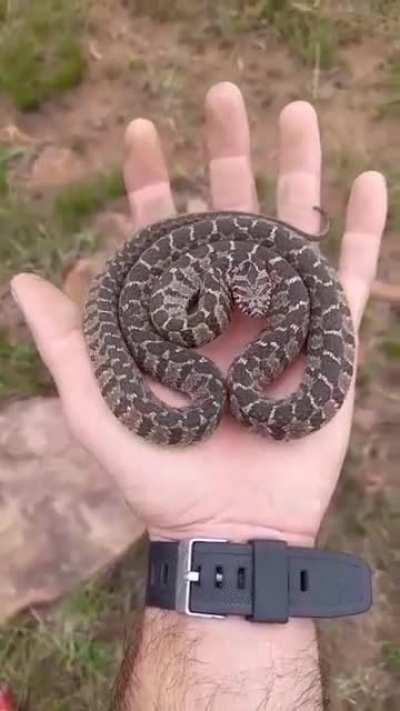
(173, 287)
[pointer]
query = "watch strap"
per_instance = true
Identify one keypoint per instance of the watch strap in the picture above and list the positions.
(262, 580)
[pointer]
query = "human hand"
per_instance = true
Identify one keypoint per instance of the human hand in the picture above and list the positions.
(235, 485)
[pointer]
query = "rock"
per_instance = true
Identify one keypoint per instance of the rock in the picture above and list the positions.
(12, 135)
(61, 518)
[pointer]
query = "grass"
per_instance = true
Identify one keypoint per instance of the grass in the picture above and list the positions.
(393, 178)
(304, 26)
(162, 10)
(80, 200)
(46, 239)
(266, 190)
(21, 370)
(67, 656)
(391, 348)
(7, 155)
(347, 164)
(41, 52)
(390, 106)
(391, 655)
(31, 241)
(365, 688)
(314, 30)
(363, 523)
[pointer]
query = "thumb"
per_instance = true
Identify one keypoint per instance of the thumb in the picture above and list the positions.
(55, 324)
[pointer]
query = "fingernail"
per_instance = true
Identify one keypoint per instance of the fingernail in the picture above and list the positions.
(15, 295)
(13, 289)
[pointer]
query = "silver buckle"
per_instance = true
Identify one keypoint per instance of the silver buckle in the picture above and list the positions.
(186, 576)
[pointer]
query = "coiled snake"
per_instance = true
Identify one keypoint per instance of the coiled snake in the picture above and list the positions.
(173, 286)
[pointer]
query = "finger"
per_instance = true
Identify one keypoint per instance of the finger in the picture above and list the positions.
(299, 180)
(146, 175)
(365, 222)
(55, 325)
(228, 144)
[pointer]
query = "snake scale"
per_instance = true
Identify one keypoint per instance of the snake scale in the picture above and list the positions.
(173, 287)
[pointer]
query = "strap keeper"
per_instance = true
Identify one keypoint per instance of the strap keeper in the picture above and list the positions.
(270, 581)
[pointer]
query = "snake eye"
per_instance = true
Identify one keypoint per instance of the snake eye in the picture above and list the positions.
(193, 303)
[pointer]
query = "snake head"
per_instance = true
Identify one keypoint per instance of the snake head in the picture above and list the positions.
(251, 289)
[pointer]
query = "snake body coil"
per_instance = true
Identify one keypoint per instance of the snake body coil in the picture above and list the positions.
(173, 286)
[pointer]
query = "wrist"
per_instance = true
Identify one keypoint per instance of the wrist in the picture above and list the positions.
(237, 533)
(199, 663)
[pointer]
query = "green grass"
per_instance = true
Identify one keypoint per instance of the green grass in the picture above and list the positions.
(308, 31)
(46, 238)
(304, 26)
(391, 655)
(40, 50)
(314, 30)
(80, 200)
(391, 348)
(59, 661)
(21, 370)
(7, 156)
(32, 242)
(67, 656)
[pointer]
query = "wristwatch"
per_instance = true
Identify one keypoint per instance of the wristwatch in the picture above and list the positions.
(262, 580)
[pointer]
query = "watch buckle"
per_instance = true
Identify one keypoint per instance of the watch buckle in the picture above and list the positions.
(186, 576)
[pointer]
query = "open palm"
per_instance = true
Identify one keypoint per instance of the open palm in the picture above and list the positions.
(236, 484)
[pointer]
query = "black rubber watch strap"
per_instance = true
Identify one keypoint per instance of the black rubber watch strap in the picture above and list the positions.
(265, 581)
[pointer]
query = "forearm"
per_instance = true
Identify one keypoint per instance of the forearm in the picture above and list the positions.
(186, 663)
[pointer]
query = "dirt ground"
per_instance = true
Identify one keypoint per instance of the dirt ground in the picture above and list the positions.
(141, 66)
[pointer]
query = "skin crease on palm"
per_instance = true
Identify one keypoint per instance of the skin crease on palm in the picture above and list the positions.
(235, 485)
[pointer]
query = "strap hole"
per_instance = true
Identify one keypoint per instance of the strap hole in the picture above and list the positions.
(241, 578)
(219, 576)
(152, 574)
(164, 573)
(304, 580)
